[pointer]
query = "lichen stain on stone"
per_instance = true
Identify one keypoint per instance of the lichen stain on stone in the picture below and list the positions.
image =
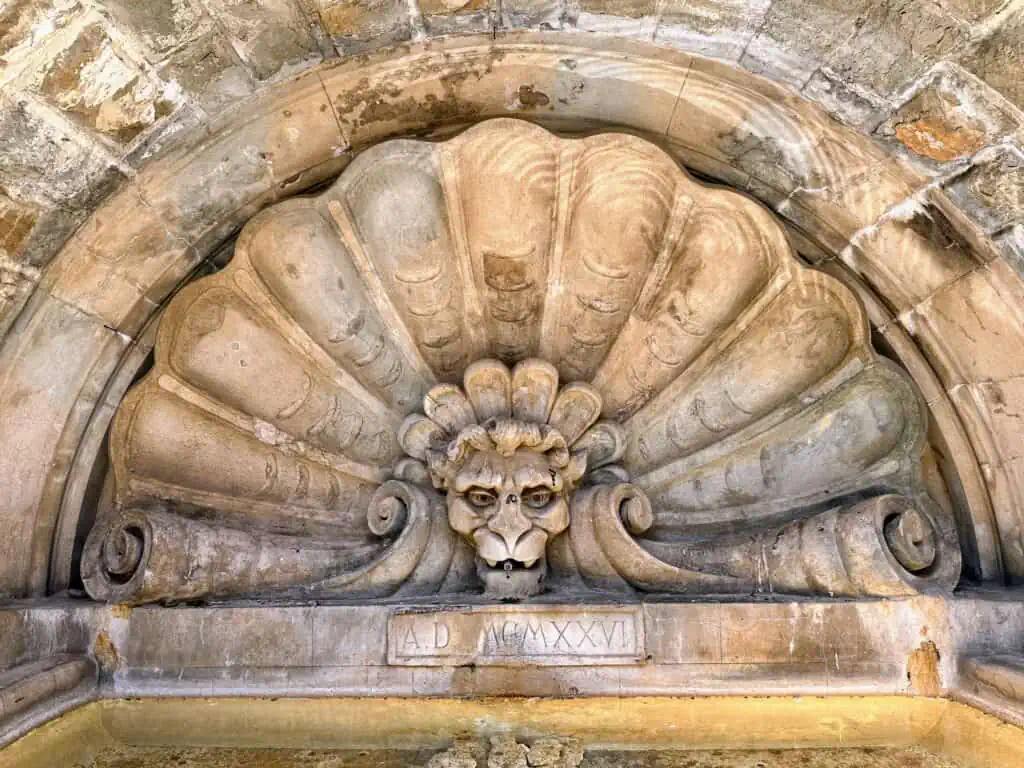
(105, 652)
(933, 139)
(923, 670)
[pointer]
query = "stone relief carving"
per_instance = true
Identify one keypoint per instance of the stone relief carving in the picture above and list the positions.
(512, 363)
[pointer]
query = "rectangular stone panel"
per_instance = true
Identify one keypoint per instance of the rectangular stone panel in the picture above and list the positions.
(517, 636)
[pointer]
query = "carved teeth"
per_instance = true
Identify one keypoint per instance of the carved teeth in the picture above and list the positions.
(492, 563)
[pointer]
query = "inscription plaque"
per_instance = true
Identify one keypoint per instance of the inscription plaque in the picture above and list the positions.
(511, 636)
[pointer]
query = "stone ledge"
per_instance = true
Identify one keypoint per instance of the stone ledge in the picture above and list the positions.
(693, 648)
(36, 692)
(994, 684)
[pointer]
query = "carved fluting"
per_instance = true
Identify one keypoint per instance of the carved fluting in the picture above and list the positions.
(718, 270)
(168, 449)
(862, 434)
(395, 198)
(226, 351)
(611, 243)
(310, 272)
(507, 196)
(511, 362)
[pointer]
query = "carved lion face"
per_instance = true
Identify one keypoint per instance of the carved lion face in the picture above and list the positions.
(509, 507)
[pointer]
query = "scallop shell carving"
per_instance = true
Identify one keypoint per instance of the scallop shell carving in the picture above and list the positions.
(265, 452)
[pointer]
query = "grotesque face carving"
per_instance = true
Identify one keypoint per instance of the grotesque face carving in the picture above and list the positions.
(508, 484)
(509, 507)
(508, 450)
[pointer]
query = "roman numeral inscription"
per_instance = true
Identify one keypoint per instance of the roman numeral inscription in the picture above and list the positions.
(513, 635)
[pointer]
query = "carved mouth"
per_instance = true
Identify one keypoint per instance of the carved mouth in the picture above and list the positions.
(512, 579)
(512, 565)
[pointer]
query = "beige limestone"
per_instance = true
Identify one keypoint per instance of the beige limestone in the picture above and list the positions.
(737, 389)
(158, 282)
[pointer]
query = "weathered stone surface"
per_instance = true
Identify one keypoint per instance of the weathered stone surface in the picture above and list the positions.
(719, 28)
(353, 23)
(950, 337)
(454, 16)
(797, 36)
(992, 190)
(209, 70)
(908, 260)
(1011, 243)
(29, 429)
(546, 14)
(998, 58)
(511, 636)
(272, 37)
(894, 42)
(31, 685)
(948, 117)
(162, 26)
(99, 88)
(41, 161)
(842, 101)
(972, 10)
(25, 24)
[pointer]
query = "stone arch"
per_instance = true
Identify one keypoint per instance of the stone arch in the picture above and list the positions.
(939, 294)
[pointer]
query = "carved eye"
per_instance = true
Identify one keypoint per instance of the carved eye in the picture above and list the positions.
(537, 497)
(480, 497)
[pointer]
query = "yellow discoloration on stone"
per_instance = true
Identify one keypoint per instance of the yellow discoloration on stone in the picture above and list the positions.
(923, 670)
(105, 652)
(952, 730)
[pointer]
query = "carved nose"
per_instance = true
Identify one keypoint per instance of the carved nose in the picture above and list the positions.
(510, 523)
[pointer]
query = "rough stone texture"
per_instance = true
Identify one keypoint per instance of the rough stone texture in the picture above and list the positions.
(162, 26)
(352, 24)
(746, 647)
(997, 59)
(949, 117)
(992, 190)
(271, 36)
(828, 183)
(211, 71)
(949, 303)
(97, 87)
(894, 42)
(797, 36)
(41, 160)
(719, 28)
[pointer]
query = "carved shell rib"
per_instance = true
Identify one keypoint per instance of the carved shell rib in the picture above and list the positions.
(746, 381)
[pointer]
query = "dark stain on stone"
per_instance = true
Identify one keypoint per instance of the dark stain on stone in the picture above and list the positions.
(532, 98)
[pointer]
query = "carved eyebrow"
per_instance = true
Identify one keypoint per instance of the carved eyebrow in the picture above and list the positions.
(485, 478)
(526, 477)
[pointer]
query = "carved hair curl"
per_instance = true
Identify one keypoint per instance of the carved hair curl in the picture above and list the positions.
(505, 436)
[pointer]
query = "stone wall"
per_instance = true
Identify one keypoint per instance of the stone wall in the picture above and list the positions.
(95, 97)
(91, 90)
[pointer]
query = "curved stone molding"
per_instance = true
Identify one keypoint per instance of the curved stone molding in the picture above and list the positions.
(697, 357)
